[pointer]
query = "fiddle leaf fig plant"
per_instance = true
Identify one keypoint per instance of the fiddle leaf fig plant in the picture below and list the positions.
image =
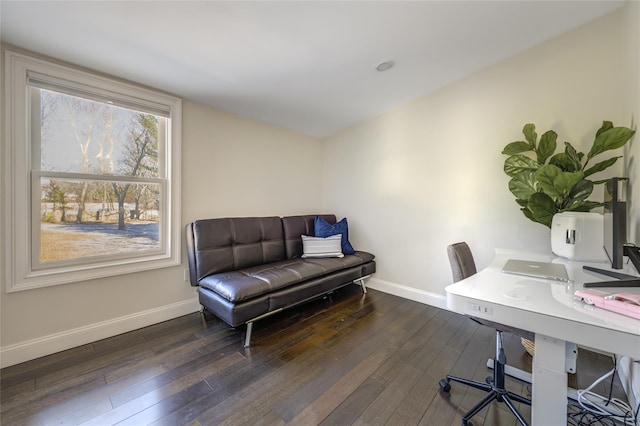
(545, 183)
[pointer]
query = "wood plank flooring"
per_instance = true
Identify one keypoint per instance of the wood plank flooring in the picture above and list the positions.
(350, 359)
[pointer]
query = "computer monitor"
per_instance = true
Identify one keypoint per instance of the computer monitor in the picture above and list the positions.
(615, 238)
(615, 222)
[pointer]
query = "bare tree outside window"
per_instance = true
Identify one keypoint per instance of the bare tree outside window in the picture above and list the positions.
(140, 158)
(103, 160)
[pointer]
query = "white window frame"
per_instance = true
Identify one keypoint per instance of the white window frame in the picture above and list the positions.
(16, 161)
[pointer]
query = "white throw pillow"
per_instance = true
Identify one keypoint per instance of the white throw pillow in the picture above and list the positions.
(322, 247)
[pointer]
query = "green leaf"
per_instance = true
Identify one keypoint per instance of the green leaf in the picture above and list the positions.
(585, 206)
(522, 203)
(529, 132)
(542, 208)
(562, 161)
(609, 139)
(516, 148)
(519, 163)
(580, 192)
(600, 166)
(606, 125)
(527, 213)
(569, 161)
(574, 157)
(547, 146)
(523, 185)
(555, 182)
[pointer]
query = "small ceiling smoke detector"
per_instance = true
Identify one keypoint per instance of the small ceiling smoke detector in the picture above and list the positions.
(384, 66)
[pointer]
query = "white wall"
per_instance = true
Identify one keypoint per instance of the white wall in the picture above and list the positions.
(632, 154)
(429, 173)
(231, 167)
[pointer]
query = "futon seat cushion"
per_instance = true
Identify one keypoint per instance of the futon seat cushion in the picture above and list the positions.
(255, 281)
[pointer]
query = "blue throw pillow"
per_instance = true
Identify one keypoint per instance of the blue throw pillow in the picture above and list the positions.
(325, 229)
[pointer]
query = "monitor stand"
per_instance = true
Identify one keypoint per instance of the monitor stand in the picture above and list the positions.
(618, 283)
(622, 280)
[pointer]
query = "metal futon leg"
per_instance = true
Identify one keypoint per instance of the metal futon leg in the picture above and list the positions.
(247, 338)
(361, 282)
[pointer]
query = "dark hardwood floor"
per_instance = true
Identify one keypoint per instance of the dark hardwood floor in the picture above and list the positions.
(351, 359)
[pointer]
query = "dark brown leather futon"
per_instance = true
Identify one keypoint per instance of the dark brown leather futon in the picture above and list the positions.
(251, 267)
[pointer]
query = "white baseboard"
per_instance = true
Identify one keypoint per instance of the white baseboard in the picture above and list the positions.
(428, 298)
(47, 345)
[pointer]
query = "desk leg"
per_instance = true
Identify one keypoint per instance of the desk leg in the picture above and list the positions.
(549, 393)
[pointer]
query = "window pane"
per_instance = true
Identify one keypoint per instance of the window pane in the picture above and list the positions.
(85, 136)
(84, 149)
(111, 218)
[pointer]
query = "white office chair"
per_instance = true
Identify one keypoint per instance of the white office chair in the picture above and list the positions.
(463, 266)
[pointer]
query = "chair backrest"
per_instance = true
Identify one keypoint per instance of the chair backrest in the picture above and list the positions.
(461, 260)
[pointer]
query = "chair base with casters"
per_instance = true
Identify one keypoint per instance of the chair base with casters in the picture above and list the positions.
(495, 388)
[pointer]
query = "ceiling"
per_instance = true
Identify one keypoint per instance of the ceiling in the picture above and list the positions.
(309, 66)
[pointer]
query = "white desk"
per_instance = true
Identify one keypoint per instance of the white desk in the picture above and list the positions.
(548, 309)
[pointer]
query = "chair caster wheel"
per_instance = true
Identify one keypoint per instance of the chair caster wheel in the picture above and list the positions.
(444, 385)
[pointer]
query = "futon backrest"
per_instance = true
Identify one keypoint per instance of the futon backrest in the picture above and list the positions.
(220, 245)
(296, 226)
